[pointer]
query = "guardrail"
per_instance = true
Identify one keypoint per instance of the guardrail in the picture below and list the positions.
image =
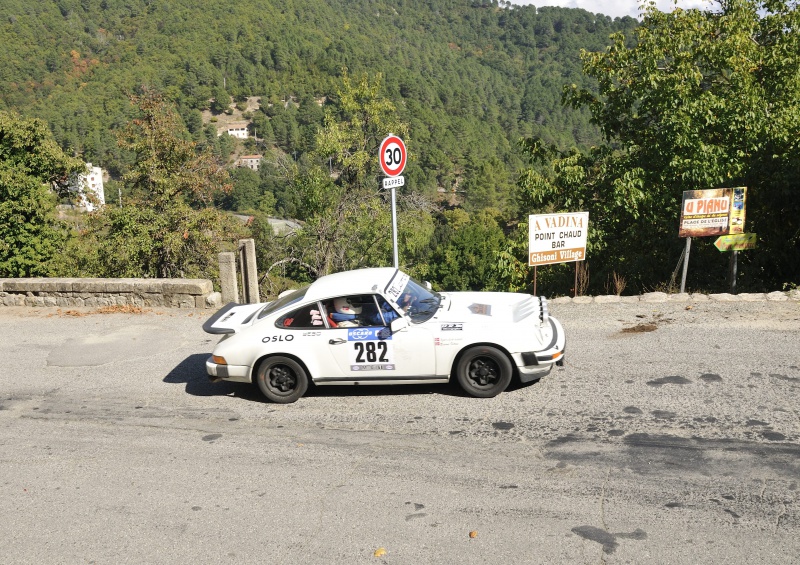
(169, 293)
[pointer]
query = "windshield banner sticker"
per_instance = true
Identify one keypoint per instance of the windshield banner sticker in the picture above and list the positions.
(396, 286)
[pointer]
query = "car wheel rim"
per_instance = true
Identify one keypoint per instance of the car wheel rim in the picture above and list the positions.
(483, 372)
(282, 379)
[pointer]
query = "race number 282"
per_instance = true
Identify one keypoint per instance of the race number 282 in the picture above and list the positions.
(371, 352)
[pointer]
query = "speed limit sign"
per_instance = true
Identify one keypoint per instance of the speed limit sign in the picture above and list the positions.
(392, 155)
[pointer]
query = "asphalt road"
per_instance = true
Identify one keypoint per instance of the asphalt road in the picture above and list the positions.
(672, 435)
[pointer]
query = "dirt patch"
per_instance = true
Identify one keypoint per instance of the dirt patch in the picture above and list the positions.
(640, 328)
(121, 309)
(645, 326)
(221, 121)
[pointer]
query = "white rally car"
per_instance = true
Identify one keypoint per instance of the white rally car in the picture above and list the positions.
(380, 326)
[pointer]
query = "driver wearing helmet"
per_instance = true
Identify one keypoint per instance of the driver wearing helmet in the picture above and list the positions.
(347, 310)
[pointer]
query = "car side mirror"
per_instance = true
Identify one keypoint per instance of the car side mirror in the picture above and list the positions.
(398, 324)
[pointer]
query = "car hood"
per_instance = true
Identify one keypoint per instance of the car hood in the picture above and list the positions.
(492, 307)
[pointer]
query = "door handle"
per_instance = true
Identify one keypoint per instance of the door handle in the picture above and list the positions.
(337, 341)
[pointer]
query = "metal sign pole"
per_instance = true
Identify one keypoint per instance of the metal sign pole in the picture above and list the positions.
(733, 269)
(394, 231)
(685, 263)
(392, 157)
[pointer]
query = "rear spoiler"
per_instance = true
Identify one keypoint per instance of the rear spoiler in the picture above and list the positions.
(230, 318)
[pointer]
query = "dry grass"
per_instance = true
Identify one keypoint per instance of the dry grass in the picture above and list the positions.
(120, 309)
(616, 284)
(582, 278)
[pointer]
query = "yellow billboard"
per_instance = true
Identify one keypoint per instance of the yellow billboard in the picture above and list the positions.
(714, 212)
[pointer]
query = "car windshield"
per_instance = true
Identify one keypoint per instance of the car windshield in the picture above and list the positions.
(419, 303)
(282, 302)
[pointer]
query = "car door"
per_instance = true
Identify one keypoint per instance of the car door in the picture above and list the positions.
(371, 351)
(306, 334)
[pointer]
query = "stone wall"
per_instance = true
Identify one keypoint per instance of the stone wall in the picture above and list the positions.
(777, 296)
(169, 293)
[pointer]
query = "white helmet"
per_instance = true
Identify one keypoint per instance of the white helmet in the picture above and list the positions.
(346, 306)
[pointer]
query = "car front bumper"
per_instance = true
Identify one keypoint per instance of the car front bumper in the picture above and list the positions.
(233, 373)
(534, 365)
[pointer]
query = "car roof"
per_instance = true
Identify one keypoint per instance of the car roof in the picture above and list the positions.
(360, 281)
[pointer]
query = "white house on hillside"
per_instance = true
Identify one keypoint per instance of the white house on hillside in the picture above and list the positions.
(89, 183)
(250, 161)
(237, 129)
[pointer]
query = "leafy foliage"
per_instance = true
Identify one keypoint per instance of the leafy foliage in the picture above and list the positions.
(687, 100)
(168, 228)
(468, 78)
(30, 164)
(704, 99)
(347, 222)
(464, 256)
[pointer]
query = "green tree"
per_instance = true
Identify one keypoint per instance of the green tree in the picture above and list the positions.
(221, 102)
(169, 228)
(348, 219)
(489, 186)
(31, 164)
(466, 251)
(703, 99)
(604, 183)
(351, 137)
(246, 191)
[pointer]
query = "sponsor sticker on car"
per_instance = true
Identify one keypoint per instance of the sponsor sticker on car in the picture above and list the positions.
(370, 349)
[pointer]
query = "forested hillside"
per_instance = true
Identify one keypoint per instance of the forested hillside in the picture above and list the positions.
(470, 78)
(505, 110)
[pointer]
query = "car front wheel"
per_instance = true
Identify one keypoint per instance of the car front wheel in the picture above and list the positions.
(484, 371)
(282, 380)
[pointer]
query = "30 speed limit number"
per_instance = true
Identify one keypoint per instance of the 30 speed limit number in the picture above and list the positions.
(392, 155)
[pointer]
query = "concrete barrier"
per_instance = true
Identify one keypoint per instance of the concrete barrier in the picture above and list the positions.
(169, 293)
(199, 293)
(777, 296)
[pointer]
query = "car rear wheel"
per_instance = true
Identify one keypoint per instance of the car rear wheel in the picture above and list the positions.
(281, 379)
(484, 371)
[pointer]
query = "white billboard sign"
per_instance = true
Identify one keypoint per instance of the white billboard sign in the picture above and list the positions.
(557, 238)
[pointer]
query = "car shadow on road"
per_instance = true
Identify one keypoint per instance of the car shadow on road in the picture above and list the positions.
(383, 390)
(192, 372)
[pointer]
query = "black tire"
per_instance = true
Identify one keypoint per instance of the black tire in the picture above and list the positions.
(281, 379)
(484, 372)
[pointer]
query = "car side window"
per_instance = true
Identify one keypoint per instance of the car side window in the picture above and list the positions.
(361, 310)
(309, 316)
(387, 313)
